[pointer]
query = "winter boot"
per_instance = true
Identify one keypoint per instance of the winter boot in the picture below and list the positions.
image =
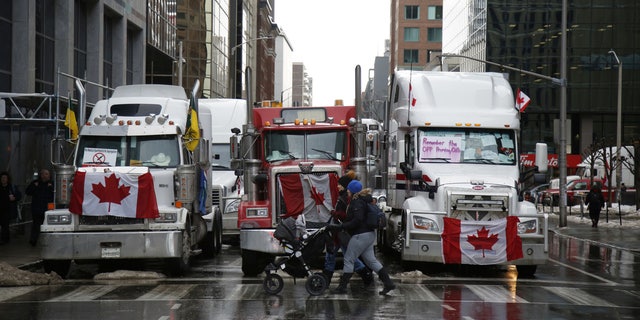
(327, 275)
(344, 281)
(388, 284)
(367, 276)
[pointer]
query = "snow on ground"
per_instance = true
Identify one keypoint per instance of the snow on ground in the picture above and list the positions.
(630, 216)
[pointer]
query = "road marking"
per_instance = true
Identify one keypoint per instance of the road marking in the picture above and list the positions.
(7, 293)
(421, 293)
(577, 296)
(584, 272)
(495, 293)
(85, 293)
(167, 292)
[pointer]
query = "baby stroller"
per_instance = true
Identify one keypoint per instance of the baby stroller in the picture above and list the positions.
(298, 251)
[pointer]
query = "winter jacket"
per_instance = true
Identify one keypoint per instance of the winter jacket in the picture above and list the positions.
(356, 221)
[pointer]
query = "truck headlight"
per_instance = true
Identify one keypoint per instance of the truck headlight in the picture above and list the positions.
(167, 217)
(530, 226)
(64, 218)
(257, 213)
(423, 223)
(231, 206)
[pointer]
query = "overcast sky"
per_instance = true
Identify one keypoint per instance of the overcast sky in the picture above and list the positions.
(331, 37)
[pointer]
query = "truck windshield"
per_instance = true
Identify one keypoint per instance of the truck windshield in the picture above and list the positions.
(148, 151)
(486, 146)
(305, 145)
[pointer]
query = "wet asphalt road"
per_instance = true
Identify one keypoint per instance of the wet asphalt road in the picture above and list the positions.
(580, 281)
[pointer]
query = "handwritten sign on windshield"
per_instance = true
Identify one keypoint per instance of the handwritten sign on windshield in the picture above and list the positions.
(440, 148)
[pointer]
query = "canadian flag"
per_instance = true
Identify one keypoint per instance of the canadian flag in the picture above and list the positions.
(115, 194)
(522, 100)
(481, 242)
(312, 195)
(412, 99)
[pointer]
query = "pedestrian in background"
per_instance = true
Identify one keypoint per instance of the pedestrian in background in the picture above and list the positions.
(594, 202)
(41, 192)
(9, 197)
(362, 239)
(340, 239)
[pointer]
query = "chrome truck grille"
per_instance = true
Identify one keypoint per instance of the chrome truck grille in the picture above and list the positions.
(478, 207)
(108, 220)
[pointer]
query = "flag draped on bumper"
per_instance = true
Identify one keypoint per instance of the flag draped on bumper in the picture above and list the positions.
(481, 242)
(115, 194)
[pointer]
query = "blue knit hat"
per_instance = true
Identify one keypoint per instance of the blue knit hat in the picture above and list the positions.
(354, 186)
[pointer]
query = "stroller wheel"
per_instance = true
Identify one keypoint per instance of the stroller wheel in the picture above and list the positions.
(316, 284)
(273, 283)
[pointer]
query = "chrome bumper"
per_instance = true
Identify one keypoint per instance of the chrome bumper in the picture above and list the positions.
(111, 245)
(260, 240)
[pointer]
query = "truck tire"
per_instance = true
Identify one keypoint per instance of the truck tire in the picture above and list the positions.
(61, 267)
(179, 266)
(254, 262)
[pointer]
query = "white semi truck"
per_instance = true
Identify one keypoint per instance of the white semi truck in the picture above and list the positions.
(136, 186)
(221, 120)
(453, 153)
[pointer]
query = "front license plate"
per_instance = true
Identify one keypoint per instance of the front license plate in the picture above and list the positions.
(110, 252)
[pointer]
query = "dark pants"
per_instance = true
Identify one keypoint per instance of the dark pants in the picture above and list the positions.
(594, 214)
(38, 219)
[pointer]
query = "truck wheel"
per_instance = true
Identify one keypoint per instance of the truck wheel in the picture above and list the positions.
(208, 244)
(526, 271)
(61, 267)
(179, 266)
(254, 262)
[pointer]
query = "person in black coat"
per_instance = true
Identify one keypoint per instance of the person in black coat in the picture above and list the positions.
(9, 197)
(41, 192)
(362, 239)
(594, 202)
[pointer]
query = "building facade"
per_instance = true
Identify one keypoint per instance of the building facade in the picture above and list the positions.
(301, 92)
(416, 33)
(527, 35)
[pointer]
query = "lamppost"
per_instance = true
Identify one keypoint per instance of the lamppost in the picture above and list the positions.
(618, 124)
(291, 94)
(234, 68)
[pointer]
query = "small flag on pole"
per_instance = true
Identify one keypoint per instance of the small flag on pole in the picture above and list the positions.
(71, 123)
(192, 135)
(522, 100)
(412, 99)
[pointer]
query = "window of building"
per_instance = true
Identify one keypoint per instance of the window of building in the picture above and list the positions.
(410, 56)
(107, 60)
(80, 40)
(129, 72)
(45, 45)
(411, 34)
(434, 34)
(434, 13)
(412, 12)
(5, 49)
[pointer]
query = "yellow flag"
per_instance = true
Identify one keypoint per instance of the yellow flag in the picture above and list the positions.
(192, 136)
(71, 123)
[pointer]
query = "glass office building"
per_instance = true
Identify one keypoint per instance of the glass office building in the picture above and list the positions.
(526, 34)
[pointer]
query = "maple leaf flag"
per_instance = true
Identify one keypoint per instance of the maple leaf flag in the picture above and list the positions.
(115, 194)
(481, 242)
(412, 99)
(522, 100)
(312, 195)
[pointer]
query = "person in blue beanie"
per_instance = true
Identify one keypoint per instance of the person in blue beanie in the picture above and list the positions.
(362, 239)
